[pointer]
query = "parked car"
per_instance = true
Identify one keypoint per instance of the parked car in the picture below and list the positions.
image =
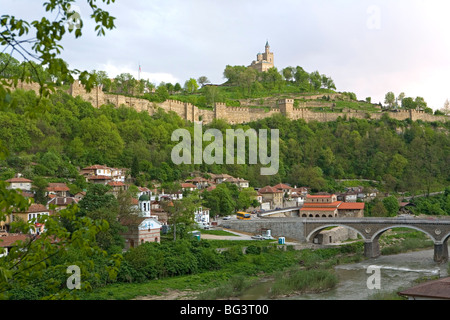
(257, 237)
(226, 218)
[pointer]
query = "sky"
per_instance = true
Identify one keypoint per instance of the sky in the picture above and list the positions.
(366, 47)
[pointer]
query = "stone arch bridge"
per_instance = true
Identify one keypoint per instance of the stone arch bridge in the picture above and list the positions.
(371, 229)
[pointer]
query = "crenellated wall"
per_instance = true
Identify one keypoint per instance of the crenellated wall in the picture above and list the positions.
(233, 115)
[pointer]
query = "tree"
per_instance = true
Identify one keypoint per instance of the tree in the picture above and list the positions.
(315, 80)
(389, 99)
(41, 262)
(135, 167)
(247, 198)
(391, 205)
(446, 108)
(409, 103)
(191, 85)
(288, 73)
(181, 213)
(40, 189)
(421, 103)
(203, 80)
(45, 42)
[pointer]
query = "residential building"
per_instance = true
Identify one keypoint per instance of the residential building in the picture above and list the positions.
(57, 189)
(241, 183)
(34, 212)
(219, 178)
(103, 174)
(61, 203)
(19, 183)
(284, 187)
(188, 187)
(199, 182)
(8, 241)
(201, 215)
(273, 196)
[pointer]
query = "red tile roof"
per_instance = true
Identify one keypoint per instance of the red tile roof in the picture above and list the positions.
(116, 184)
(318, 209)
(282, 186)
(352, 206)
(269, 189)
(8, 240)
(322, 204)
(319, 196)
(57, 187)
(18, 180)
(188, 185)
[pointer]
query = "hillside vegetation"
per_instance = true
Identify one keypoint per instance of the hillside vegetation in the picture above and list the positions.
(403, 155)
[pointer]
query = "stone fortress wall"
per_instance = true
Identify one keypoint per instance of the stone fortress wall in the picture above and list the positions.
(233, 115)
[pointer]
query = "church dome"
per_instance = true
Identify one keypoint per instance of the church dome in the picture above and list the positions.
(144, 197)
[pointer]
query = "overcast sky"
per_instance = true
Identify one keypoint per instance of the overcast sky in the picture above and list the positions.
(367, 47)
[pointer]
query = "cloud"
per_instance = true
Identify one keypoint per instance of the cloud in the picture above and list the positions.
(114, 69)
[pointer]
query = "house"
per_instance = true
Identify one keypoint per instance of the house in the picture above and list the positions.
(103, 173)
(116, 187)
(34, 212)
(430, 290)
(99, 179)
(241, 183)
(303, 191)
(80, 195)
(219, 178)
(348, 197)
(199, 182)
(58, 189)
(201, 215)
(284, 187)
(272, 196)
(188, 187)
(20, 183)
(61, 203)
(9, 240)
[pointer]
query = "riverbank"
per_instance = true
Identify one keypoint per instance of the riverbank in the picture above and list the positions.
(254, 266)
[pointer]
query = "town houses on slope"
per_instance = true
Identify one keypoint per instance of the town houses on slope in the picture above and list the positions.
(151, 217)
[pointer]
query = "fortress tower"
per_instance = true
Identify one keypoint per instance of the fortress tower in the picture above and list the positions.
(286, 107)
(264, 61)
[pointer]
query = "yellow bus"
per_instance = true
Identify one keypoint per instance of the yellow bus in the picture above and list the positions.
(243, 216)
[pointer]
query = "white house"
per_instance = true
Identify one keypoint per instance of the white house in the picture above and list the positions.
(20, 183)
(201, 215)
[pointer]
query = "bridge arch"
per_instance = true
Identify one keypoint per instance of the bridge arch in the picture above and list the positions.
(316, 231)
(376, 236)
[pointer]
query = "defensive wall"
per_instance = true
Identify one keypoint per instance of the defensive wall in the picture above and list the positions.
(233, 115)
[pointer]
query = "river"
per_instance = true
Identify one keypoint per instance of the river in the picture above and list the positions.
(397, 272)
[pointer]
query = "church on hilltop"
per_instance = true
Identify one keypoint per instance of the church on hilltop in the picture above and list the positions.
(264, 61)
